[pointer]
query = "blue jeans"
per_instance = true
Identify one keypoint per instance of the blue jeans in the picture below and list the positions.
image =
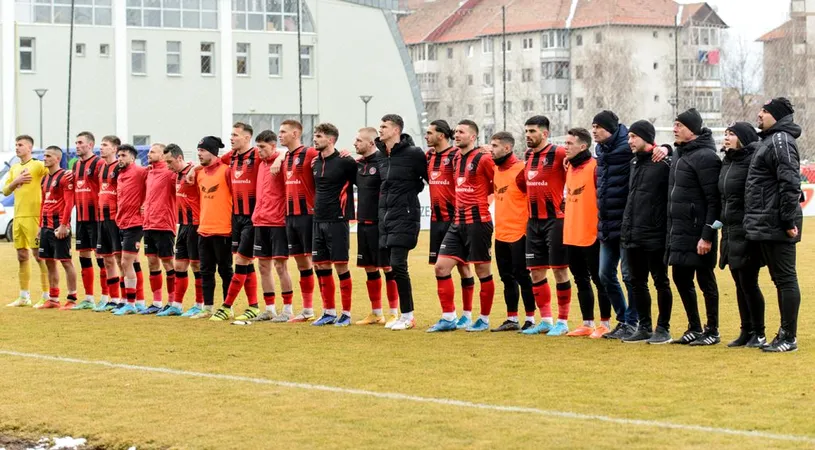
(611, 254)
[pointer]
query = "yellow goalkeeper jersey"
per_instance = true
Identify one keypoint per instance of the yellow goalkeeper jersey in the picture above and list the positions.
(27, 197)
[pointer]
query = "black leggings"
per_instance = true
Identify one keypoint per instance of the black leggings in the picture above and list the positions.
(584, 263)
(215, 252)
(750, 299)
(683, 279)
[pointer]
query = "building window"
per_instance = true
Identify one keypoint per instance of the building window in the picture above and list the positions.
(656, 34)
(428, 81)
(470, 110)
(656, 99)
(242, 58)
(79, 50)
(579, 102)
(104, 50)
(528, 106)
(507, 47)
(59, 11)
(656, 66)
(705, 36)
(488, 108)
(138, 57)
(578, 40)
(556, 70)
(449, 82)
(598, 38)
(578, 72)
(551, 102)
(432, 109)
(172, 14)
(508, 76)
(555, 39)
(469, 80)
(173, 58)
(26, 54)
(431, 53)
(141, 139)
(207, 58)
(528, 43)
(449, 111)
(274, 59)
(508, 107)
(526, 75)
(487, 78)
(449, 52)
(270, 15)
(470, 51)
(487, 45)
(418, 53)
(306, 66)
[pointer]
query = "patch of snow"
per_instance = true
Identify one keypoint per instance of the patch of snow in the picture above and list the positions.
(68, 443)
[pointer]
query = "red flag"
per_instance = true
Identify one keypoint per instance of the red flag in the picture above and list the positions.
(713, 57)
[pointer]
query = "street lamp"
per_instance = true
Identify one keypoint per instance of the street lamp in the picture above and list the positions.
(41, 93)
(560, 107)
(365, 99)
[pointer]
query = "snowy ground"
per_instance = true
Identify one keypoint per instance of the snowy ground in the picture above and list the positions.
(45, 443)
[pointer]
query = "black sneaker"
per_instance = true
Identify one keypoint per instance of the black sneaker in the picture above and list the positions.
(757, 341)
(742, 340)
(782, 343)
(688, 337)
(709, 337)
(641, 335)
(628, 330)
(660, 336)
(508, 325)
(527, 324)
(615, 333)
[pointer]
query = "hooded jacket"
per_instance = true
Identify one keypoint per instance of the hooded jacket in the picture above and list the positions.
(403, 171)
(694, 202)
(613, 173)
(732, 179)
(772, 198)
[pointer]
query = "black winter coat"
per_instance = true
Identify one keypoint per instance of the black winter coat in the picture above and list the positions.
(613, 172)
(403, 171)
(732, 179)
(694, 203)
(645, 221)
(772, 199)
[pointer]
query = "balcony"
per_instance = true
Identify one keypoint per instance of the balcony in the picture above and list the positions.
(702, 84)
(425, 66)
(549, 54)
(555, 86)
(430, 93)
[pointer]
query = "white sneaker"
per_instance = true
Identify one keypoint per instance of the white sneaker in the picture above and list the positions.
(21, 301)
(403, 324)
(390, 320)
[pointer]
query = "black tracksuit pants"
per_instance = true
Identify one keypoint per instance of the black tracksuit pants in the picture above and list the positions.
(705, 276)
(215, 252)
(511, 260)
(399, 264)
(749, 298)
(780, 259)
(641, 263)
(584, 263)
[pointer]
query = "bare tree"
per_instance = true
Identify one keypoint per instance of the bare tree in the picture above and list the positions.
(741, 76)
(610, 80)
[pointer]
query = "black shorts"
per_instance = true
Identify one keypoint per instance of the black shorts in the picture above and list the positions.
(468, 243)
(243, 236)
(299, 231)
(368, 252)
(544, 244)
(186, 243)
(109, 240)
(53, 248)
(131, 239)
(437, 232)
(330, 244)
(271, 243)
(87, 234)
(160, 243)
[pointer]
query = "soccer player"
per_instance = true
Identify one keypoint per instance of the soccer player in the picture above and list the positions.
(369, 255)
(580, 233)
(55, 228)
(469, 239)
(159, 227)
(442, 181)
(215, 225)
(334, 176)
(186, 244)
(25, 181)
(109, 240)
(544, 176)
(86, 196)
(269, 219)
(510, 233)
(131, 182)
(243, 161)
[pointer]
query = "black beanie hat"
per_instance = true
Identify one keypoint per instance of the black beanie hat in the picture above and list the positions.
(744, 131)
(211, 144)
(607, 120)
(691, 119)
(779, 108)
(643, 129)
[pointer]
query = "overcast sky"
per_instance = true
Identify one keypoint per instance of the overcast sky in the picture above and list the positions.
(750, 18)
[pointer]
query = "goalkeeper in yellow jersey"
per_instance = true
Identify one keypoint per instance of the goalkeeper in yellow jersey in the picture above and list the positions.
(25, 180)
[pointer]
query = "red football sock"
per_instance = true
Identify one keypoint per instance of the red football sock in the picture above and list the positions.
(182, 280)
(307, 288)
(346, 289)
(543, 297)
(269, 298)
(564, 300)
(374, 285)
(326, 280)
(103, 277)
(54, 293)
(139, 281)
(156, 284)
(486, 294)
(87, 274)
(287, 297)
(170, 285)
(130, 293)
(392, 290)
(447, 293)
(235, 286)
(113, 287)
(467, 292)
(199, 288)
(251, 286)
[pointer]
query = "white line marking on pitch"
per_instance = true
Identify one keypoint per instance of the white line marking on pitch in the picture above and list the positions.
(431, 400)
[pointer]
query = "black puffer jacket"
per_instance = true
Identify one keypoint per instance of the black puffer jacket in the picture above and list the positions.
(732, 179)
(646, 212)
(694, 203)
(772, 199)
(613, 170)
(402, 170)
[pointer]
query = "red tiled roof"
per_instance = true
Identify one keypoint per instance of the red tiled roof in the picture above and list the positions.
(690, 10)
(786, 29)
(530, 15)
(425, 19)
(625, 12)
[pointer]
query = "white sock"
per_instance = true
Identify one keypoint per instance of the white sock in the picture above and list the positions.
(140, 302)
(45, 296)
(485, 319)
(73, 293)
(408, 316)
(89, 298)
(330, 312)
(530, 319)
(588, 323)
(606, 323)
(272, 308)
(287, 309)
(394, 312)
(513, 319)
(177, 305)
(157, 303)
(468, 314)
(104, 299)
(207, 307)
(377, 312)
(346, 313)
(561, 321)
(25, 294)
(308, 311)
(448, 316)
(547, 320)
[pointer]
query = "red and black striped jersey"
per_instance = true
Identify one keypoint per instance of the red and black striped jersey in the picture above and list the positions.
(544, 177)
(474, 175)
(107, 191)
(86, 189)
(244, 170)
(334, 177)
(442, 179)
(57, 199)
(187, 198)
(299, 181)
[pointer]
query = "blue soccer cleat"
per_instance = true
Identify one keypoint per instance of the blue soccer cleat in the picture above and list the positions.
(126, 310)
(463, 323)
(152, 309)
(192, 312)
(559, 329)
(343, 321)
(169, 311)
(443, 325)
(479, 325)
(326, 319)
(540, 328)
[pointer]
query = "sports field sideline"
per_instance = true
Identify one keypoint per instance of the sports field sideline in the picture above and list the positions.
(176, 383)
